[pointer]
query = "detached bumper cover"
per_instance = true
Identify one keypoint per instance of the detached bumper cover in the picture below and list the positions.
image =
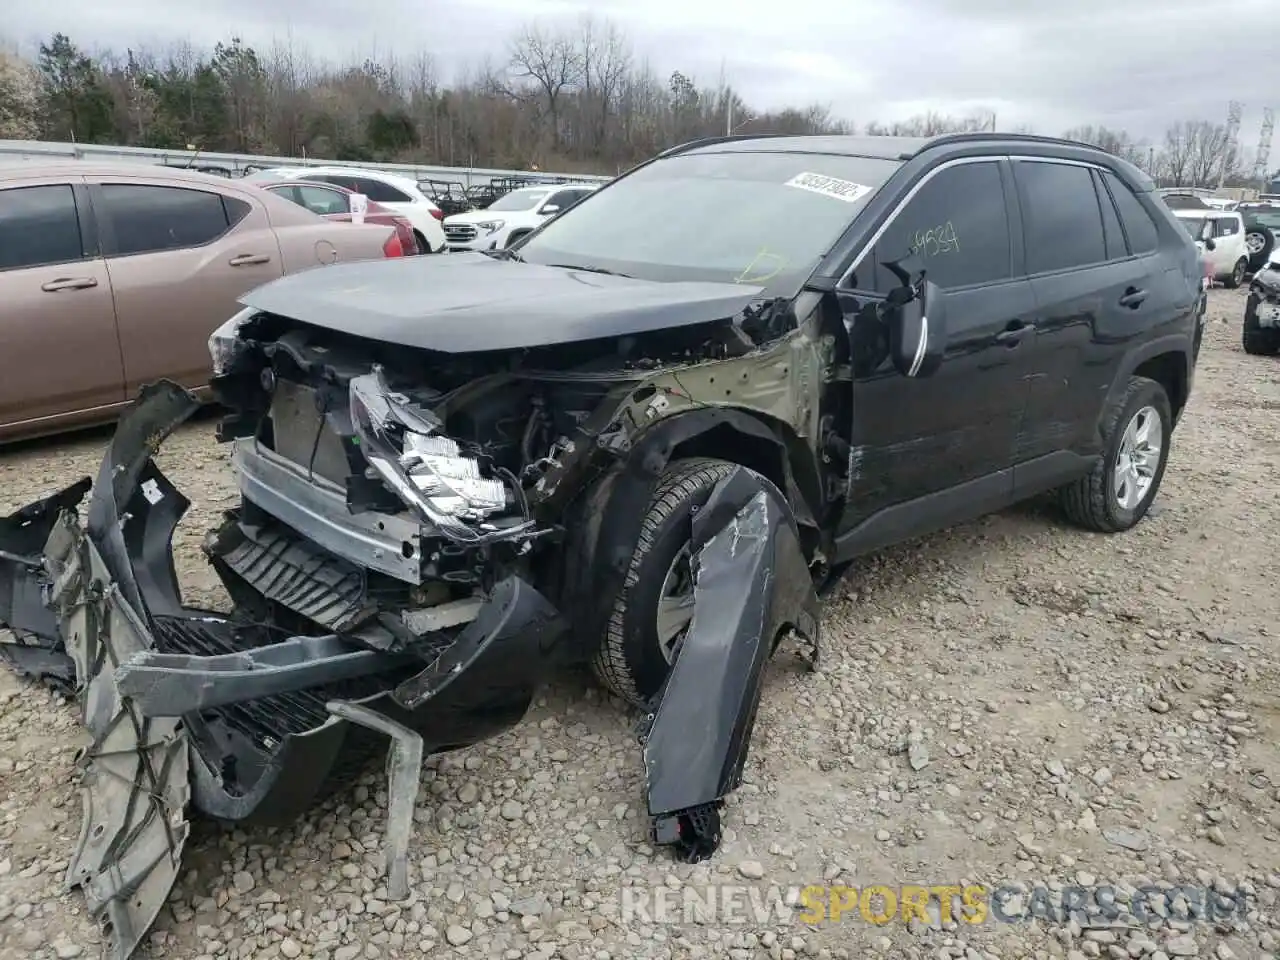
(751, 586)
(169, 693)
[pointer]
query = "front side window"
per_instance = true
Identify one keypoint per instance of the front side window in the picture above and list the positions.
(1226, 227)
(149, 219)
(756, 218)
(1062, 221)
(956, 223)
(38, 225)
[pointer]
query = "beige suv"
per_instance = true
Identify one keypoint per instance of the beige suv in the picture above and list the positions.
(114, 275)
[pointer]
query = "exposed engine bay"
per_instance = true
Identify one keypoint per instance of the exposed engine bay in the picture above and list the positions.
(421, 539)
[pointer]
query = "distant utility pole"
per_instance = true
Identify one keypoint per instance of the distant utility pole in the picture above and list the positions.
(1264, 148)
(1234, 110)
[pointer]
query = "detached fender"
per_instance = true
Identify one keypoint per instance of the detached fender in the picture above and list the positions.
(751, 584)
(608, 519)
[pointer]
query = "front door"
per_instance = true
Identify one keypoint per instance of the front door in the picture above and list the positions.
(926, 451)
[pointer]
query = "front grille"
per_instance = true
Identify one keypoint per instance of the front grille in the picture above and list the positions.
(269, 719)
(459, 232)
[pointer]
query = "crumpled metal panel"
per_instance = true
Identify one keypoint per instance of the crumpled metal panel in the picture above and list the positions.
(751, 585)
(134, 775)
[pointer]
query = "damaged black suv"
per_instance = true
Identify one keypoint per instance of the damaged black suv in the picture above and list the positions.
(648, 437)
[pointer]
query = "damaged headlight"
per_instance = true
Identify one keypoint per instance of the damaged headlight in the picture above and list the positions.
(401, 441)
(225, 344)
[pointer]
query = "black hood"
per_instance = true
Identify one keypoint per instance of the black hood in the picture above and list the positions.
(465, 302)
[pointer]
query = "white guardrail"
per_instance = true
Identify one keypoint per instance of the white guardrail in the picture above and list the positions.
(236, 162)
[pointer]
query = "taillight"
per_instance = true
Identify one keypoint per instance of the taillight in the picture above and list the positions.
(438, 213)
(393, 247)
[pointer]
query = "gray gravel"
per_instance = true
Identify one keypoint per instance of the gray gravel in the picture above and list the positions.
(1011, 702)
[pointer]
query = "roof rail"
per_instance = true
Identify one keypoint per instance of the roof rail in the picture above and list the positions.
(982, 136)
(712, 141)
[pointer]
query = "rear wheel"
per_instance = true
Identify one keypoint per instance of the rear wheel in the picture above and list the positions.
(1119, 490)
(1237, 274)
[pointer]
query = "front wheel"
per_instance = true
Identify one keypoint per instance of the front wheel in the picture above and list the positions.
(1119, 490)
(652, 612)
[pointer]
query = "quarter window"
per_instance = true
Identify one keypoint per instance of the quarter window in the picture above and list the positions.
(958, 225)
(38, 225)
(150, 219)
(1061, 217)
(1138, 225)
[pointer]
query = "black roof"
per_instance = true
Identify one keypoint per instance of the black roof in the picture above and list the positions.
(882, 148)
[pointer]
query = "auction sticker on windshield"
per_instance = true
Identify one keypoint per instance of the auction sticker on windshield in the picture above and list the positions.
(832, 187)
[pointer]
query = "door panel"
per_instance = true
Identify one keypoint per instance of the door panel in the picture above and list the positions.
(915, 438)
(59, 352)
(175, 277)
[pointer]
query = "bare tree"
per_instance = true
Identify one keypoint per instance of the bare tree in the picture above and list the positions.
(552, 63)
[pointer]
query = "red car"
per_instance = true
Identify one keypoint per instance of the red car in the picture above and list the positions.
(334, 203)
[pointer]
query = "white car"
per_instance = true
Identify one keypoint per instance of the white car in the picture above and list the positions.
(394, 192)
(1220, 236)
(511, 216)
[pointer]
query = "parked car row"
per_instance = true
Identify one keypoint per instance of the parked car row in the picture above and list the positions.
(115, 275)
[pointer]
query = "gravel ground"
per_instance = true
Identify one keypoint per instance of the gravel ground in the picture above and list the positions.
(1013, 702)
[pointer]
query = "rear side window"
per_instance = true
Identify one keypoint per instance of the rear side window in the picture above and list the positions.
(38, 225)
(149, 219)
(380, 192)
(1062, 222)
(957, 223)
(1138, 225)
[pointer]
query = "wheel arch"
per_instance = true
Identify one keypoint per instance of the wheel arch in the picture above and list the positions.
(1166, 360)
(605, 522)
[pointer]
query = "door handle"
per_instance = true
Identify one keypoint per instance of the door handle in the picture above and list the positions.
(1133, 298)
(247, 259)
(68, 283)
(1015, 333)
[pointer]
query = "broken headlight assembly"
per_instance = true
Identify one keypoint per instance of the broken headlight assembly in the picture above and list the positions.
(225, 344)
(402, 443)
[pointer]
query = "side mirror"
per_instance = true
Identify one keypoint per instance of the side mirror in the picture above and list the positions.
(551, 208)
(1209, 243)
(918, 331)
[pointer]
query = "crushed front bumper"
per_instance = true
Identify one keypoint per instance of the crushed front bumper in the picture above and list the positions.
(240, 720)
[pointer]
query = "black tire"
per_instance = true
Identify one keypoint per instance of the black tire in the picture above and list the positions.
(1091, 501)
(1259, 259)
(629, 660)
(1257, 340)
(421, 240)
(1237, 274)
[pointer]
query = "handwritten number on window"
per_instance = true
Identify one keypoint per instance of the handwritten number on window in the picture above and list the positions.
(936, 241)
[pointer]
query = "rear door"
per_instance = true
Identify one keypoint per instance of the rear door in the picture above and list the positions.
(59, 353)
(180, 255)
(1099, 282)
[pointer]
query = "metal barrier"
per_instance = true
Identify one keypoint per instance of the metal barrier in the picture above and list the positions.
(237, 162)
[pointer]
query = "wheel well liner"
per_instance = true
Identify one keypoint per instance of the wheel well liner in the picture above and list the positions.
(1170, 371)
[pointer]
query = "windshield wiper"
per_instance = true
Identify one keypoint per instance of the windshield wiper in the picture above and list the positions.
(574, 266)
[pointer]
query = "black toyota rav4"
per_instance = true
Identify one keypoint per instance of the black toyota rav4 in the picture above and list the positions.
(647, 437)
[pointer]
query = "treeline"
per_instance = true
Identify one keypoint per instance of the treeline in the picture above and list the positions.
(579, 99)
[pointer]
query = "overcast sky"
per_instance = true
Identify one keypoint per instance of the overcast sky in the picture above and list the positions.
(1132, 64)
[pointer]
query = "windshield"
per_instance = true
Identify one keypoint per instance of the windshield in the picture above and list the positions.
(1193, 225)
(758, 218)
(519, 200)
